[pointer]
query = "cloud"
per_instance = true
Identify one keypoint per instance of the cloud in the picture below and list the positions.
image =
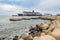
(6, 7)
(49, 3)
(11, 9)
(52, 6)
(16, 0)
(23, 3)
(15, 6)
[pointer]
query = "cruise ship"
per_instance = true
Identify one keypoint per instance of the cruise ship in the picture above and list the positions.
(33, 13)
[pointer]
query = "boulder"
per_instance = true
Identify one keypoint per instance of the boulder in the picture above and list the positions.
(56, 26)
(44, 37)
(51, 27)
(28, 38)
(56, 33)
(43, 26)
(36, 38)
(47, 37)
(23, 36)
(20, 39)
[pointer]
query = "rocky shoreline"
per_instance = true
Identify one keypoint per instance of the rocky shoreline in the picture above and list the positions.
(43, 31)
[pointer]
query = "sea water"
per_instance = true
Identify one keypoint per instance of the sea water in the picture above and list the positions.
(9, 29)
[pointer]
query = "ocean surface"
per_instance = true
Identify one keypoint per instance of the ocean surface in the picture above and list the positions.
(9, 29)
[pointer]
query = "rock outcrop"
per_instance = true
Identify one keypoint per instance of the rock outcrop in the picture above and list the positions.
(44, 31)
(56, 31)
(44, 37)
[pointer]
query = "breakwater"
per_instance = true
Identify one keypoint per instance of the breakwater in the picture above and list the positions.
(36, 17)
(24, 18)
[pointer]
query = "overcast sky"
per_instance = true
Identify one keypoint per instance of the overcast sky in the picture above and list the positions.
(8, 7)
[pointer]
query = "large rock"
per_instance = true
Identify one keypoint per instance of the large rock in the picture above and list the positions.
(56, 26)
(28, 38)
(57, 23)
(20, 39)
(56, 33)
(51, 27)
(36, 38)
(43, 26)
(44, 37)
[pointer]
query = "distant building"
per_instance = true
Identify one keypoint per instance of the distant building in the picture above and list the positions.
(20, 14)
(25, 13)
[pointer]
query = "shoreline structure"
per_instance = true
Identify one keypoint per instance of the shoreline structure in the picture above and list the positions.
(46, 31)
(34, 17)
